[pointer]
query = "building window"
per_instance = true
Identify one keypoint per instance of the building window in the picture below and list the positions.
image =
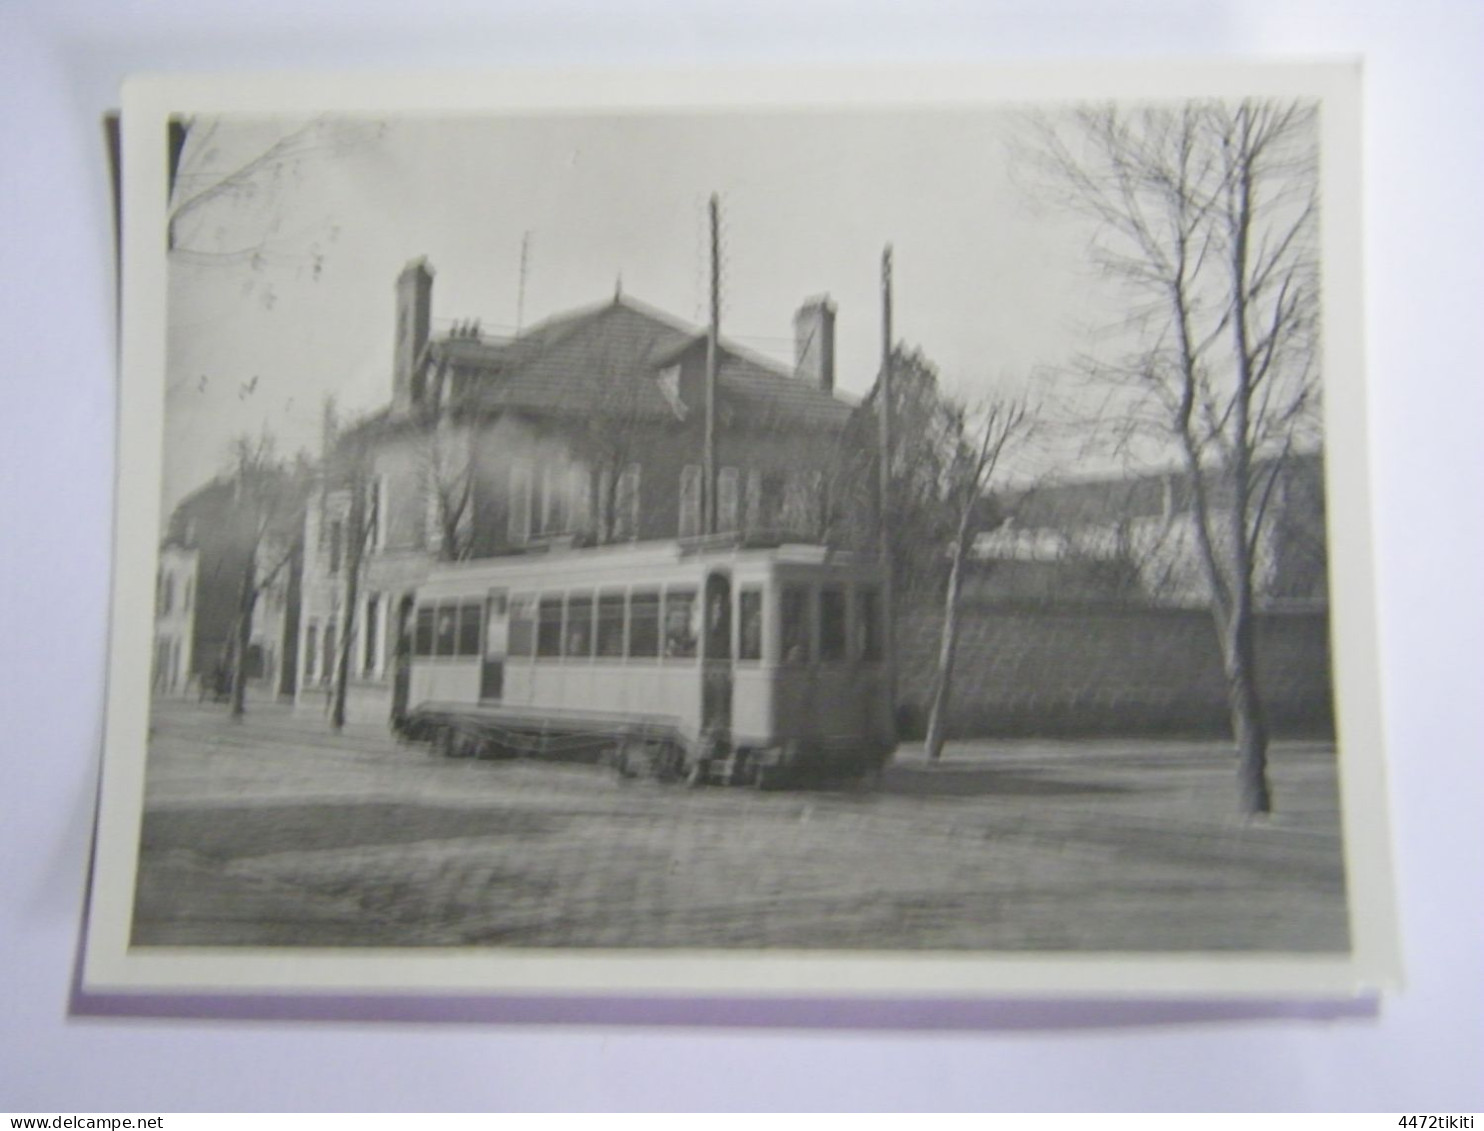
(867, 624)
(727, 500)
(768, 509)
(625, 516)
(669, 382)
(680, 624)
(185, 601)
(373, 625)
(690, 500)
(337, 536)
(644, 625)
(552, 509)
(802, 503)
(750, 624)
(580, 488)
(794, 623)
(832, 623)
(611, 625)
(580, 626)
(549, 628)
(166, 598)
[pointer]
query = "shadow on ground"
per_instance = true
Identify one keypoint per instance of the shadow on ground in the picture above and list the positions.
(945, 779)
(232, 833)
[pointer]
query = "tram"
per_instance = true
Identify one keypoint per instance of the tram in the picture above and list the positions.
(702, 661)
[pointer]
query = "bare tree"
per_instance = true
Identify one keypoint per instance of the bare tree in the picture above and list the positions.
(226, 197)
(351, 472)
(447, 455)
(618, 425)
(1206, 217)
(611, 441)
(978, 441)
(921, 523)
(269, 498)
(357, 533)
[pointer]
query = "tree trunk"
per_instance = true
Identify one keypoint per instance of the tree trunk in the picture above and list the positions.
(242, 633)
(342, 664)
(1249, 727)
(354, 550)
(937, 729)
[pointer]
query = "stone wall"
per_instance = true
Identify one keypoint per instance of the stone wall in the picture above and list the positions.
(1108, 670)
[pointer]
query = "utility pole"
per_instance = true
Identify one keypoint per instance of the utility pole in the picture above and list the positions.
(884, 406)
(520, 294)
(708, 459)
(354, 541)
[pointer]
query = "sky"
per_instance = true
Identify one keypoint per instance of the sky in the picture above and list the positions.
(281, 288)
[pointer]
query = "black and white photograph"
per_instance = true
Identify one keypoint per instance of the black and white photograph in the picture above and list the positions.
(844, 536)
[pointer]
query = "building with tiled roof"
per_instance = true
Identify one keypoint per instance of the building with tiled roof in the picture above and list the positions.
(586, 429)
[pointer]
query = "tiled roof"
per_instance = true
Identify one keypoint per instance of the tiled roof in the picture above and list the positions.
(608, 357)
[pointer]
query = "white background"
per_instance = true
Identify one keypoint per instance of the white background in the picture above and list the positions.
(1419, 1050)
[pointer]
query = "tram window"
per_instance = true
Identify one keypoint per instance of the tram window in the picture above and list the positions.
(793, 616)
(832, 623)
(445, 634)
(680, 628)
(644, 625)
(522, 640)
(750, 625)
(423, 638)
(867, 625)
(610, 625)
(469, 630)
(580, 625)
(549, 627)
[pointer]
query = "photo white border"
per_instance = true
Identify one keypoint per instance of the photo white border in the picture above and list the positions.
(111, 965)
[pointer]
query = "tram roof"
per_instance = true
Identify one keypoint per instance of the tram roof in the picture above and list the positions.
(631, 560)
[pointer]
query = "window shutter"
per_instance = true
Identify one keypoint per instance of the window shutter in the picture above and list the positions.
(754, 499)
(520, 503)
(690, 500)
(626, 509)
(726, 500)
(606, 524)
(581, 491)
(432, 514)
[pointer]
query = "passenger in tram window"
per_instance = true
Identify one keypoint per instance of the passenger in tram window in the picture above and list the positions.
(580, 627)
(794, 623)
(680, 626)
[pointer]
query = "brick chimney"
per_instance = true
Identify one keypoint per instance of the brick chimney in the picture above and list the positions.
(414, 313)
(814, 342)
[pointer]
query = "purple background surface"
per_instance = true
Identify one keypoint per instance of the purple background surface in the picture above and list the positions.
(1418, 1050)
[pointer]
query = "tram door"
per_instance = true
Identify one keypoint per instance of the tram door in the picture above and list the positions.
(402, 661)
(716, 683)
(496, 644)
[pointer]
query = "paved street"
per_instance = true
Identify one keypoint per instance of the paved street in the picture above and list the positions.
(276, 832)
